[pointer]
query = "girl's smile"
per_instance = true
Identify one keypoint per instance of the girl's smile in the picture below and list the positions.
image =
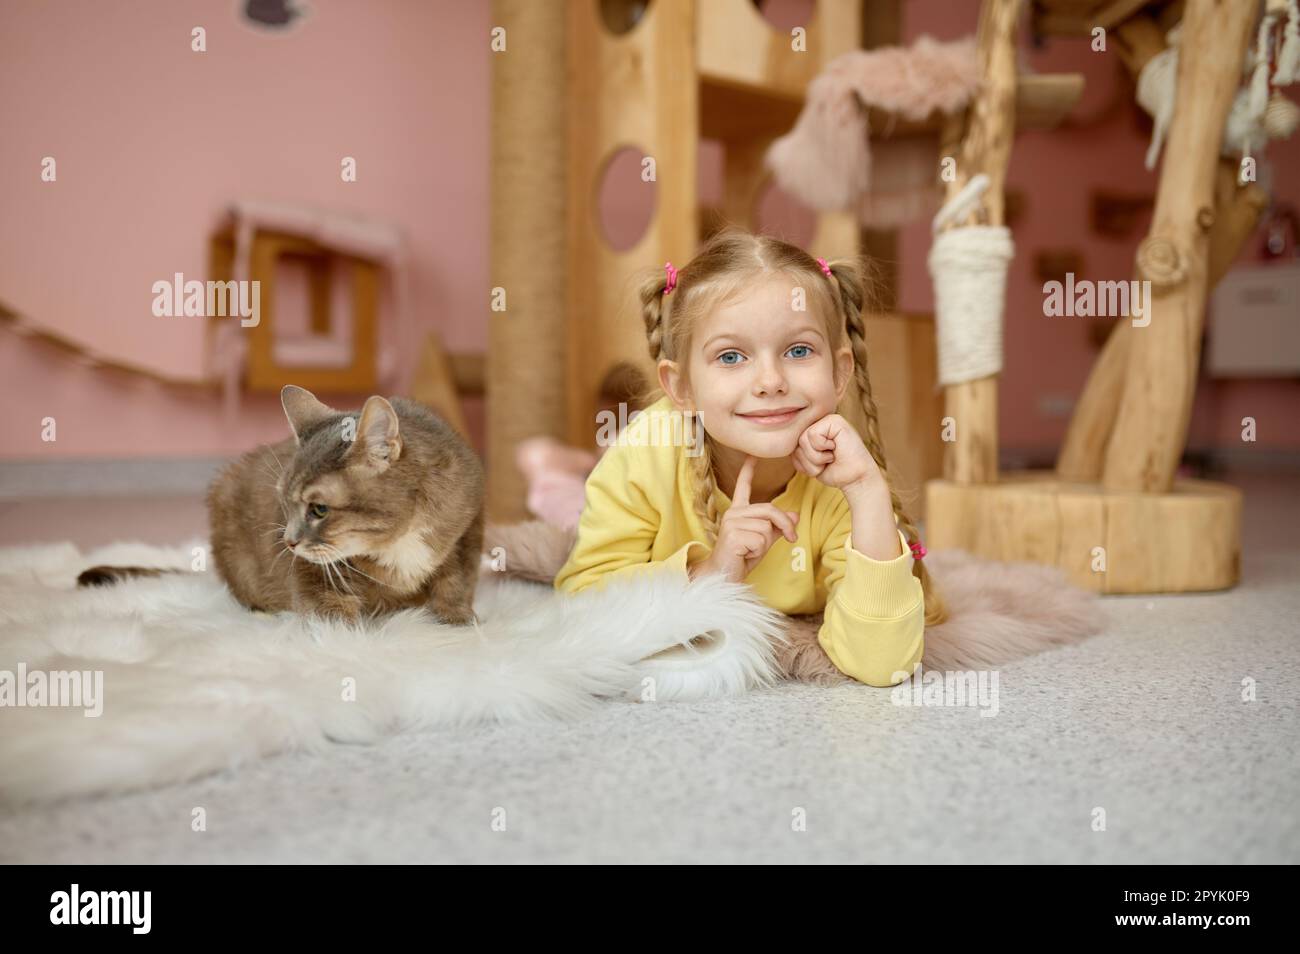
(775, 419)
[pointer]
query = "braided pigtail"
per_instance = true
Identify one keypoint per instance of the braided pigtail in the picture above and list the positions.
(653, 308)
(851, 298)
(706, 507)
(656, 311)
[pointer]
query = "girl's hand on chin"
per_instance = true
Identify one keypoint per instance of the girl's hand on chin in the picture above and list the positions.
(833, 452)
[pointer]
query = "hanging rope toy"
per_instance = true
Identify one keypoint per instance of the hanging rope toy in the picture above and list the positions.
(1256, 114)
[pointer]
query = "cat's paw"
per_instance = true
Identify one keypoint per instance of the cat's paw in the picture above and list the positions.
(455, 617)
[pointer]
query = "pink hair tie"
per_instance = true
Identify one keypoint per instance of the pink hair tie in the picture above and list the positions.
(825, 268)
(918, 550)
(672, 277)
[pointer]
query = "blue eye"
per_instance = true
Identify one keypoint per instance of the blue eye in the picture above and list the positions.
(731, 364)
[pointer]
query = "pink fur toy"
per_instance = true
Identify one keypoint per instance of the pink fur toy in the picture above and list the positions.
(826, 161)
(557, 478)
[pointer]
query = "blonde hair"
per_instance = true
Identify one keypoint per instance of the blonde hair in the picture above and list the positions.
(724, 267)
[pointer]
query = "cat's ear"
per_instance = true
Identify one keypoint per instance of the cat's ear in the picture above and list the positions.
(378, 442)
(302, 409)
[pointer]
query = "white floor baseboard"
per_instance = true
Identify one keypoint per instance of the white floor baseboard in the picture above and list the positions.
(165, 476)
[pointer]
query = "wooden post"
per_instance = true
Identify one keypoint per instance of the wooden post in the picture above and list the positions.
(973, 405)
(1236, 212)
(1151, 424)
(640, 90)
(526, 341)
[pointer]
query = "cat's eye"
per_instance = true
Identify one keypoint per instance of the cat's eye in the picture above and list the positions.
(318, 510)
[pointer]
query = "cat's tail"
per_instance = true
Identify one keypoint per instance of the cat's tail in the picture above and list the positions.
(108, 575)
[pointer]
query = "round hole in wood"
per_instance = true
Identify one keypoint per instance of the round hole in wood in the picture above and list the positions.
(785, 15)
(625, 198)
(622, 16)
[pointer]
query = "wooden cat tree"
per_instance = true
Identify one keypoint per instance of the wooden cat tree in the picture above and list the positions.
(1114, 494)
(658, 77)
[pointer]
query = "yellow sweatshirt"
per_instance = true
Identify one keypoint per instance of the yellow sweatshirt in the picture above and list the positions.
(638, 518)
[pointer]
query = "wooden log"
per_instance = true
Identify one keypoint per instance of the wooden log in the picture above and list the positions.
(986, 148)
(1138, 40)
(1151, 424)
(1236, 213)
(1186, 540)
(1237, 209)
(1084, 449)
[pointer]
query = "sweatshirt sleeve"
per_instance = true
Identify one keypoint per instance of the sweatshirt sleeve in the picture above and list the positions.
(617, 529)
(873, 628)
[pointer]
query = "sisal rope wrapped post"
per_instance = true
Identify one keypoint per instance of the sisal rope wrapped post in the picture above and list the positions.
(969, 268)
(526, 343)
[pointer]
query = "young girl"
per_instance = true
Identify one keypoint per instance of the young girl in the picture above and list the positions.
(756, 344)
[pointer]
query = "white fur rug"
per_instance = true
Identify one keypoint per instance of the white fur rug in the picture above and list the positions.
(193, 682)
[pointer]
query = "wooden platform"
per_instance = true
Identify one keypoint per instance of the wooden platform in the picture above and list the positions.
(1107, 541)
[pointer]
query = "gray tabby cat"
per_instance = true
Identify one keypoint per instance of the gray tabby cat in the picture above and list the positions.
(359, 514)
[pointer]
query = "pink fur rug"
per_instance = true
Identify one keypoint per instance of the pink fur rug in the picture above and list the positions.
(826, 160)
(998, 612)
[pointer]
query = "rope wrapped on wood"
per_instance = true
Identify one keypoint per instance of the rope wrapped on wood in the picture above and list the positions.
(969, 267)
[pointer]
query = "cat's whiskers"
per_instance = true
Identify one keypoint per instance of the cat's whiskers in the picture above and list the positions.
(332, 565)
(330, 572)
(339, 562)
(366, 575)
(342, 579)
(282, 552)
(326, 577)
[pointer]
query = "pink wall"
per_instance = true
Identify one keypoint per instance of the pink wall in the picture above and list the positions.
(152, 139)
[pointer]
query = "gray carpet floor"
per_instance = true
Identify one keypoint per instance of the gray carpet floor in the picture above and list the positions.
(1145, 722)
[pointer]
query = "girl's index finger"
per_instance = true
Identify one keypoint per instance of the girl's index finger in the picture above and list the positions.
(743, 481)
